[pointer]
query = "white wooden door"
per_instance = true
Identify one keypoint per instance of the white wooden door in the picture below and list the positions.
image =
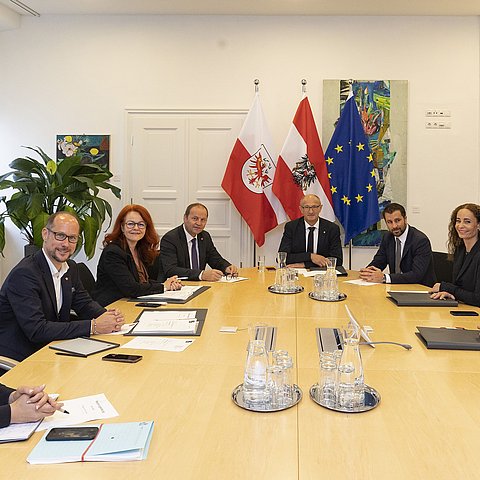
(179, 157)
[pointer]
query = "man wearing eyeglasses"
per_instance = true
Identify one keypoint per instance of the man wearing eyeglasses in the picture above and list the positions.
(310, 239)
(39, 293)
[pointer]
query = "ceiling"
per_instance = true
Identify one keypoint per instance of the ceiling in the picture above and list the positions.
(247, 7)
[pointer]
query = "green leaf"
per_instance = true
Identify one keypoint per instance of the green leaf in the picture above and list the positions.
(38, 223)
(2, 236)
(90, 234)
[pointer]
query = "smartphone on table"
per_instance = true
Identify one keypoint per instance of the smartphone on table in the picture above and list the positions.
(121, 357)
(72, 433)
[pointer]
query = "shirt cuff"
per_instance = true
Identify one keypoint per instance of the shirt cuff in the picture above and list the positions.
(387, 278)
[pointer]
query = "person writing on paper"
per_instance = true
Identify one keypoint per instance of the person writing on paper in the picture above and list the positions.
(40, 292)
(187, 249)
(310, 239)
(463, 244)
(406, 250)
(127, 265)
(25, 404)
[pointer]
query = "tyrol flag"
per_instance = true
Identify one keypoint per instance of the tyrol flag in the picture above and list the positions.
(301, 167)
(352, 173)
(249, 176)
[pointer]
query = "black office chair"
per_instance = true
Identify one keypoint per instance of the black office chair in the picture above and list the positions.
(86, 277)
(443, 267)
(7, 364)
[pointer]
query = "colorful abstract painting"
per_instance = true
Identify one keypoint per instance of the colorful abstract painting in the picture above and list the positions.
(383, 106)
(92, 148)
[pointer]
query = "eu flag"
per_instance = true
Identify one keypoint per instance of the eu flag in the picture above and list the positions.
(352, 174)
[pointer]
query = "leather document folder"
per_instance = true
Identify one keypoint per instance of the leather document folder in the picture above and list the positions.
(418, 299)
(449, 338)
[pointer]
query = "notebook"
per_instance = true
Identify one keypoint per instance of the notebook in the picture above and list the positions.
(83, 346)
(449, 338)
(418, 299)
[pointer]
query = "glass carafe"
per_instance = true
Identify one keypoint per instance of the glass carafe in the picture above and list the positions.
(350, 380)
(255, 377)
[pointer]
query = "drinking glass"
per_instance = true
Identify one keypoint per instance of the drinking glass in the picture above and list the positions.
(261, 263)
(282, 259)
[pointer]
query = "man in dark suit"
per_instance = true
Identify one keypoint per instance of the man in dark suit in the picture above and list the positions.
(406, 251)
(25, 404)
(309, 240)
(39, 293)
(186, 250)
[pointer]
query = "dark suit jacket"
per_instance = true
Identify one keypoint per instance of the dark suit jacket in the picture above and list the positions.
(294, 242)
(117, 277)
(466, 276)
(175, 260)
(416, 263)
(28, 308)
(5, 412)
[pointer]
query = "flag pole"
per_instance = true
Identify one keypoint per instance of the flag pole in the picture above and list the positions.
(256, 83)
(350, 245)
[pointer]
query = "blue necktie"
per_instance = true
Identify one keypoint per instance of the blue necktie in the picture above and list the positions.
(195, 265)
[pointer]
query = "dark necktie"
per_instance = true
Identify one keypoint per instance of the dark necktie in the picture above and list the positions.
(398, 255)
(195, 265)
(310, 240)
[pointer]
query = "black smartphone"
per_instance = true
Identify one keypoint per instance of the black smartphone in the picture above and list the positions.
(72, 433)
(120, 357)
(463, 313)
(149, 304)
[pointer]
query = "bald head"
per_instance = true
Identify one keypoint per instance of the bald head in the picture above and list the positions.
(310, 206)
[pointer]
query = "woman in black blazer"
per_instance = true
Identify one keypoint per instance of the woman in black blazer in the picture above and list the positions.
(463, 234)
(127, 265)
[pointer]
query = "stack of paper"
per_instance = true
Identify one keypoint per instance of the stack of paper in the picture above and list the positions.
(115, 442)
(166, 322)
(185, 293)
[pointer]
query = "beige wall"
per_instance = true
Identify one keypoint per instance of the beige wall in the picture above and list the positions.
(79, 74)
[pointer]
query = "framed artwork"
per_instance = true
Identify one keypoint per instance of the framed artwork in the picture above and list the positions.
(92, 148)
(382, 105)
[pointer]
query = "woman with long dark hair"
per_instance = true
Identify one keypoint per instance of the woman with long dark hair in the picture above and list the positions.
(463, 245)
(127, 265)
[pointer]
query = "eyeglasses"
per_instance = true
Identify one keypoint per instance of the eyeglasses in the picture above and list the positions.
(231, 276)
(60, 236)
(311, 207)
(140, 225)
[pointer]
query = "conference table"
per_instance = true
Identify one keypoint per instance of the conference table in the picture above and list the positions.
(426, 426)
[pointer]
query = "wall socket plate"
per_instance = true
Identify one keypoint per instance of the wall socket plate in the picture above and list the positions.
(437, 112)
(438, 124)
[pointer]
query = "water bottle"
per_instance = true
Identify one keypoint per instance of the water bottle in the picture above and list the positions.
(255, 377)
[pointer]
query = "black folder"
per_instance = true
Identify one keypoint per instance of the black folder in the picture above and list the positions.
(449, 338)
(418, 299)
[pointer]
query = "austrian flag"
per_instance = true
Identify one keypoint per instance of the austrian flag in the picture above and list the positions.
(301, 167)
(249, 176)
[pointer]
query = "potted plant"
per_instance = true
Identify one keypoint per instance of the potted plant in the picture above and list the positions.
(45, 186)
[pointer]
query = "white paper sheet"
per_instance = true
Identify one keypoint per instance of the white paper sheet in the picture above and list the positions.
(186, 292)
(81, 410)
(362, 283)
(159, 343)
(225, 279)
